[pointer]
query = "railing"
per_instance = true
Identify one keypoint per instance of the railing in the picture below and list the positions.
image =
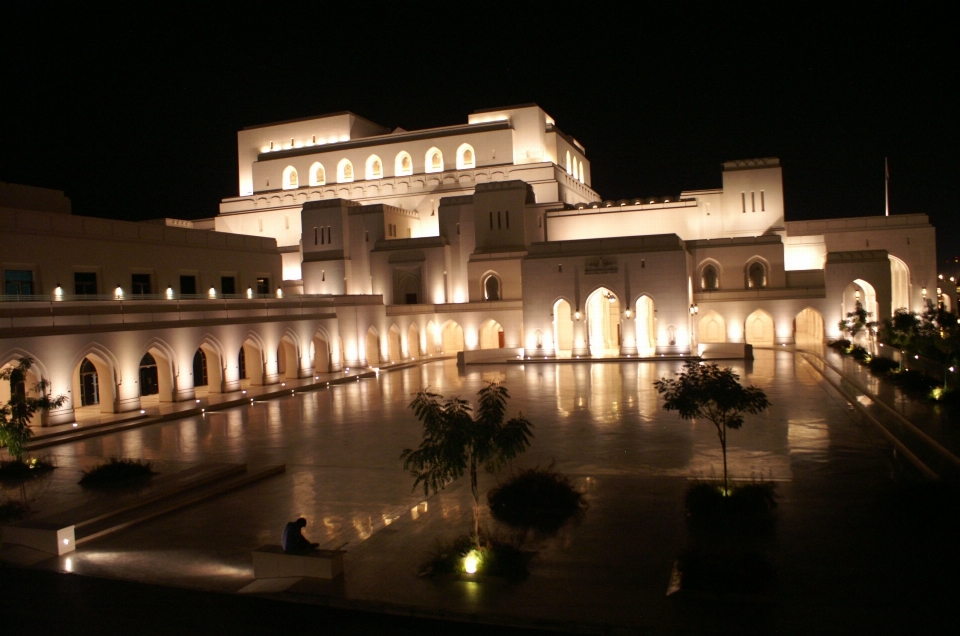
(25, 298)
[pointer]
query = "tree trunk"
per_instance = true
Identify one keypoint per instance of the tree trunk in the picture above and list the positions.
(476, 500)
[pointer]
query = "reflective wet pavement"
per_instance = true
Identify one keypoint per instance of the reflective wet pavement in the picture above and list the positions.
(601, 423)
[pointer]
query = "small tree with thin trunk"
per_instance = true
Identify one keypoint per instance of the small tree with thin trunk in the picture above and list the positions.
(455, 441)
(15, 415)
(713, 393)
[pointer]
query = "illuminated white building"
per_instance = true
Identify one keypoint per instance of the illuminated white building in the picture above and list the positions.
(485, 238)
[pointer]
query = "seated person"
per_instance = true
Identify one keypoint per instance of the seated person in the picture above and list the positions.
(292, 539)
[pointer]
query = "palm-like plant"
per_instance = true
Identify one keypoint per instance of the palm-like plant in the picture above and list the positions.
(457, 440)
(15, 415)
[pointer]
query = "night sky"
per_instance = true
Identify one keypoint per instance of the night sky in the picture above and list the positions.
(136, 118)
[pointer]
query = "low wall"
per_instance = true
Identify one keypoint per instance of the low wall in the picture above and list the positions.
(725, 351)
(487, 355)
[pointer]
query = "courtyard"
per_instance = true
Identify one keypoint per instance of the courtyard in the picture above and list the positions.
(842, 557)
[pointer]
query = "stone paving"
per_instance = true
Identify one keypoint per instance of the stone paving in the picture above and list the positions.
(600, 423)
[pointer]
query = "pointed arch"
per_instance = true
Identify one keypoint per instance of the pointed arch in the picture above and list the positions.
(758, 329)
(250, 360)
(710, 272)
(433, 160)
(322, 351)
(491, 335)
(712, 328)
(646, 325)
(289, 353)
(345, 171)
(394, 346)
(216, 362)
(432, 338)
(291, 180)
(603, 326)
(374, 167)
(451, 337)
(372, 347)
(35, 375)
(491, 286)
(808, 329)
(318, 175)
(466, 157)
(403, 164)
(569, 165)
(168, 368)
(899, 284)
(562, 327)
(106, 370)
(413, 341)
(756, 272)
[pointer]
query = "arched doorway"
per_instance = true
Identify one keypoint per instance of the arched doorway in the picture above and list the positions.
(491, 335)
(149, 382)
(808, 329)
(491, 287)
(90, 383)
(288, 359)
(712, 328)
(213, 365)
(563, 328)
(26, 388)
(200, 369)
(321, 354)
(899, 285)
(646, 325)
(603, 323)
(451, 338)
(372, 348)
(862, 292)
(250, 361)
(393, 344)
(94, 386)
(413, 342)
(758, 329)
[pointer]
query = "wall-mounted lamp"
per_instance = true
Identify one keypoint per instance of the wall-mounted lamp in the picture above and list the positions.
(212, 293)
(169, 292)
(923, 292)
(856, 294)
(279, 293)
(628, 314)
(118, 292)
(576, 315)
(694, 309)
(249, 292)
(58, 292)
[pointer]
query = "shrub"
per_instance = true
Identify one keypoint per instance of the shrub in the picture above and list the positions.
(859, 353)
(706, 504)
(726, 571)
(879, 366)
(494, 557)
(537, 499)
(19, 470)
(913, 381)
(841, 344)
(118, 473)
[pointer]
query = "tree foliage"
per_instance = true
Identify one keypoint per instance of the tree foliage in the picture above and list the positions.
(713, 393)
(15, 415)
(859, 322)
(457, 440)
(934, 334)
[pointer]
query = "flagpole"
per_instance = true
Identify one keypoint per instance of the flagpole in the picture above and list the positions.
(886, 183)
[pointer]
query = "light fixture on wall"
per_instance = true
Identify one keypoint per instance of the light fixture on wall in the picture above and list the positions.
(611, 297)
(249, 292)
(694, 309)
(118, 292)
(58, 292)
(856, 294)
(279, 293)
(628, 314)
(923, 292)
(169, 292)
(576, 315)
(212, 293)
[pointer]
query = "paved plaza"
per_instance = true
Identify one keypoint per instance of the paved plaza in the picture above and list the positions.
(842, 566)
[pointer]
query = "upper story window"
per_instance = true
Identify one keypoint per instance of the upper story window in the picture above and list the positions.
(85, 283)
(491, 288)
(434, 160)
(18, 282)
(569, 165)
(290, 180)
(344, 171)
(374, 167)
(403, 166)
(318, 176)
(140, 284)
(710, 279)
(757, 276)
(581, 172)
(465, 157)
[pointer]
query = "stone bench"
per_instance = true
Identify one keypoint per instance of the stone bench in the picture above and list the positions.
(46, 537)
(271, 562)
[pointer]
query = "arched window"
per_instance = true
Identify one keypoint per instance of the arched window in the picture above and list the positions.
(757, 276)
(491, 288)
(318, 176)
(581, 173)
(569, 165)
(710, 279)
(374, 167)
(465, 157)
(344, 171)
(434, 160)
(149, 378)
(403, 165)
(290, 180)
(89, 383)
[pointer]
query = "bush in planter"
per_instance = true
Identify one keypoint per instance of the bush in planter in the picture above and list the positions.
(752, 504)
(537, 500)
(118, 473)
(494, 557)
(913, 381)
(841, 344)
(15, 471)
(879, 366)
(859, 353)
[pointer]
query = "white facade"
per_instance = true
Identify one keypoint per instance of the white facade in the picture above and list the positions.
(350, 245)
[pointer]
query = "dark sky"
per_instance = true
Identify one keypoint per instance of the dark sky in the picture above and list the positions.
(136, 118)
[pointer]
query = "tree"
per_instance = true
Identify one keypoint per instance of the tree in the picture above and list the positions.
(454, 441)
(715, 394)
(857, 322)
(15, 415)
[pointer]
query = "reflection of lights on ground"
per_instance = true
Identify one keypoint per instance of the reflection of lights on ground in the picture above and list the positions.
(864, 400)
(192, 563)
